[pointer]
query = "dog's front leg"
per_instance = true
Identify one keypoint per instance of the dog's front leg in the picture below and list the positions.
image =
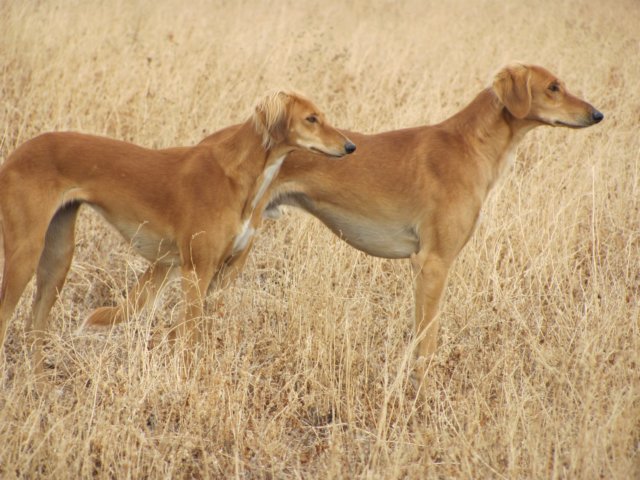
(194, 289)
(197, 274)
(233, 267)
(430, 276)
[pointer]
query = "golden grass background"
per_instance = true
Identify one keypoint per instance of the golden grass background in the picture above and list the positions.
(307, 373)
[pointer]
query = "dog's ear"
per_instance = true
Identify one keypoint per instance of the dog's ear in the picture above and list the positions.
(512, 85)
(271, 118)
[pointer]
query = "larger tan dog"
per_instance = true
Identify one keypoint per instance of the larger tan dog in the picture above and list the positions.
(417, 193)
(188, 208)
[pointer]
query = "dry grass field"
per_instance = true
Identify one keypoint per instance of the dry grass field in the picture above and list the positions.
(307, 370)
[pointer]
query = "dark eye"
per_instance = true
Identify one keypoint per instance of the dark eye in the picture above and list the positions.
(312, 119)
(554, 87)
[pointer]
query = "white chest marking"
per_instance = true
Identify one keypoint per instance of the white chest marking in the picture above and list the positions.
(509, 156)
(508, 160)
(247, 231)
(267, 177)
(242, 239)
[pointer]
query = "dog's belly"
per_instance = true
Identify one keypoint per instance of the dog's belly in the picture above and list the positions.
(377, 235)
(382, 239)
(154, 247)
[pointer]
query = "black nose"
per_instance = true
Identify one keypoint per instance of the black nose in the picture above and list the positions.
(597, 116)
(350, 147)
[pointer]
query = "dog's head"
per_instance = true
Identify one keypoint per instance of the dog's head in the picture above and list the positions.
(530, 92)
(289, 119)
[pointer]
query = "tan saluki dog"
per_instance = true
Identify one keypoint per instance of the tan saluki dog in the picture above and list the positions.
(186, 208)
(417, 193)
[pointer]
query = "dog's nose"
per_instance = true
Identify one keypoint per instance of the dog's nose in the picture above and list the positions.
(597, 116)
(350, 147)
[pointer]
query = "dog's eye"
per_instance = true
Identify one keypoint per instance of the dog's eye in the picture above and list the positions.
(554, 87)
(312, 119)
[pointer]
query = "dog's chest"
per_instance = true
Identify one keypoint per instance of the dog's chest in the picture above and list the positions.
(243, 237)
(247, 231)
(508, 160)
(267, 177)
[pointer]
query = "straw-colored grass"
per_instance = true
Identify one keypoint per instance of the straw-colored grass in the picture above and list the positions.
(306, 373)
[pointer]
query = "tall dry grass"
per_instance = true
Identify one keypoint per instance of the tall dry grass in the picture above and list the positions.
(306, 373)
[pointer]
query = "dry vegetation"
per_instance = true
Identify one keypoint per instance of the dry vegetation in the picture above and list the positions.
(307, 371)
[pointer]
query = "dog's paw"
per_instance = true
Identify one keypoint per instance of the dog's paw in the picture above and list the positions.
(419, 372)
(159, 336)
(102, 317)
(423, 375)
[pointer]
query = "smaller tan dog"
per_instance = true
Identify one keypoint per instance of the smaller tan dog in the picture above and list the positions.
(190, 208)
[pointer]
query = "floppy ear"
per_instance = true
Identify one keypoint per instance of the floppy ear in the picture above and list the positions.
(513, 88)
(271, 118)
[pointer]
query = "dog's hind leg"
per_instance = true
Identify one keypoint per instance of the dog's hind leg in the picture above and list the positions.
(51, 273)
(144, 293)
(22, 248)
(18, 270)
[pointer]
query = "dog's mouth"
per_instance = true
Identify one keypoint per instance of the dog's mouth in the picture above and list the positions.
(327, 154)
(560, 123)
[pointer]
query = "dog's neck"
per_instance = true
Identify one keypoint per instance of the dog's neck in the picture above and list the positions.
(492, 133)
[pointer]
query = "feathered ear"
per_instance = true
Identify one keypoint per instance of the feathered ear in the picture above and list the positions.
(512, 86)
(271, 118)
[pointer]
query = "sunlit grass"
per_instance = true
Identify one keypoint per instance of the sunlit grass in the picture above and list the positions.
(306, 371)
